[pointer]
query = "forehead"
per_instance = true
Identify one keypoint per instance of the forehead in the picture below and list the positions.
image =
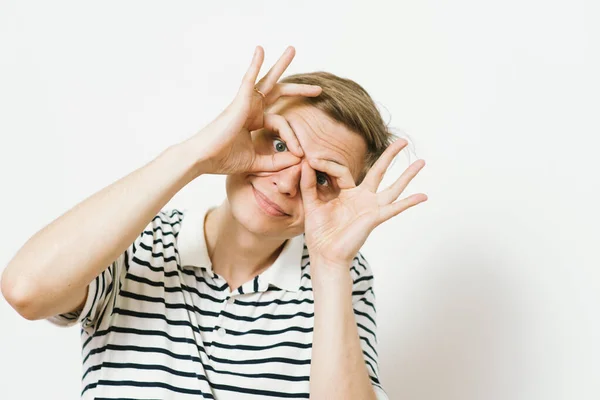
(321, 136)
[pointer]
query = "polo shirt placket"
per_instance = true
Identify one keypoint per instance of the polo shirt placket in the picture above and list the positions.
(219, 334)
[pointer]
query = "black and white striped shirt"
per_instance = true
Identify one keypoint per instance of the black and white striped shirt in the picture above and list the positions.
(159, 323)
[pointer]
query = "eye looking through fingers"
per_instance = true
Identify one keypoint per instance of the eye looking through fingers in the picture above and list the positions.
(323, 177)
(279, 145)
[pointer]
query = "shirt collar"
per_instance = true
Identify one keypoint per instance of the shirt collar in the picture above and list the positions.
(285, 272)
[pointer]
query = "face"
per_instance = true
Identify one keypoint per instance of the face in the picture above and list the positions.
(270, 203)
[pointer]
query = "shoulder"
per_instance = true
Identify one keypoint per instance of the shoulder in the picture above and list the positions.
(158, 239)
(167, 222)
(360, 270)
(170, 217)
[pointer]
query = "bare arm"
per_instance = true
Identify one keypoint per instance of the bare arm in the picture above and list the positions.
(337, 368)
(335, 230)
(49, 275)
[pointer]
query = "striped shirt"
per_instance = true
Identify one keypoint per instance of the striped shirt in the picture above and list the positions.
(158, 323)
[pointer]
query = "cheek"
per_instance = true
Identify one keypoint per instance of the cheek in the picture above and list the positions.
(238, 190)
(233, 184)
(241, 202)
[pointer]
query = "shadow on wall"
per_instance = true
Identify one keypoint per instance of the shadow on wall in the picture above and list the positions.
(465, 340)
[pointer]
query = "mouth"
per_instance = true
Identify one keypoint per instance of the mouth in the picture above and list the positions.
(266, 205)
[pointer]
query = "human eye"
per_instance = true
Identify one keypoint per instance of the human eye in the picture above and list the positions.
(323, 179)
(279, 145)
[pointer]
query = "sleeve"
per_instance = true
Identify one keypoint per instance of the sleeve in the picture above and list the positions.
(104, 289)
(102, 292)
(363, 301)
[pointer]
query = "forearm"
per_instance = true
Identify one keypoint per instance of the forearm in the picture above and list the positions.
(67, 254)
(338, 368)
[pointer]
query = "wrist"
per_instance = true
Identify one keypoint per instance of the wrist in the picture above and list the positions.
(195, 164)
(329, 272)
(330, 265)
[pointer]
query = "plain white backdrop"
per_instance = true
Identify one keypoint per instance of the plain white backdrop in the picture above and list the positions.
(489, 290)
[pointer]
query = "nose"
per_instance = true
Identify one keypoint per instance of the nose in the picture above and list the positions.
(287, 180)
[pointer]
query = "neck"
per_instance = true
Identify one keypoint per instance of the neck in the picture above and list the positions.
(237, 254)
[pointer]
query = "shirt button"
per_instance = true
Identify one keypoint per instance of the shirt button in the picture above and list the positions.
(221, 332)
(230, 300)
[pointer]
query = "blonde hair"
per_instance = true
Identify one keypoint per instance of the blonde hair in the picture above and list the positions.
(348, 103)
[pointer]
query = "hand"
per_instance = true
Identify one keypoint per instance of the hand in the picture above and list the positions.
(336, 230)
(225, 145)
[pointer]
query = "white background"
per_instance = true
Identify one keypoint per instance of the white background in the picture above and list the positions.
(490, 290)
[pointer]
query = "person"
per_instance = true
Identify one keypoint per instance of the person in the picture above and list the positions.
(263, 296)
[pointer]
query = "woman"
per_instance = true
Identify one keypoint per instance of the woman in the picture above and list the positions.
(263, 296)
